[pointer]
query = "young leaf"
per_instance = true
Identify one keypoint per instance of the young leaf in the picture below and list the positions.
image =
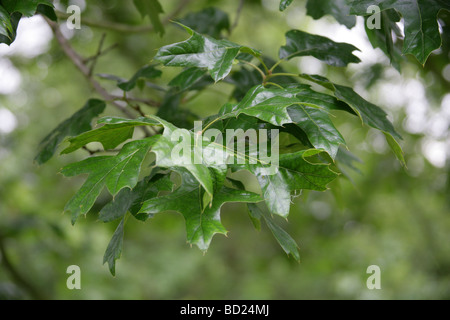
(299, 43)
(284, 4)
(295, 172)
(202, 222)
(217, 56)
(210, 21)
(153, 9)
(78, 123)
(128, 200)
(339, 9)
(421, 27)
(114, 249)
(116, 172)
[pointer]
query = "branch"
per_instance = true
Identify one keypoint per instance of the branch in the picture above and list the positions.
(78, 61)
(238, 15)
(16, 276)
(125, 28)
(148, 102)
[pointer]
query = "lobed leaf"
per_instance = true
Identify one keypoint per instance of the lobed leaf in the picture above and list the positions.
(202, 222)
(339, 9)
(114, 172)
(369, 113)
(152, 9)
(78, 123)
(210, 21)
(295, 172)
(422, 34)
(217, 56)
(114, 249)
(299, 43)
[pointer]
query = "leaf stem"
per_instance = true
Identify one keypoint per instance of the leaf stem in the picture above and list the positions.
(268, 72)
(256, 68)
(273, 75)
(273, 84)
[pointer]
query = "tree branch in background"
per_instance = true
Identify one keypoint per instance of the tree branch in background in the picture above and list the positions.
(79, 62)
(15, 274)
(125, 28)
(238, 15)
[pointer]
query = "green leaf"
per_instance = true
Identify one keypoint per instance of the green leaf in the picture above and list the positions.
(421, 27)
(114, 172)
(191, 79)
(299, 43)
(294, 173)
(383, 38)
(267, 104)
(284, 4)
(245, 79)
(283, 238)
(128, 200)
(202, 222)
(153, 9)
(75, 125)
(165, 147)
(346, 158)
(217, 56)
(396, 148)
(210, 21)
(5, 23)
(319, 128)
(172, 111)
(26, 7)
(146, 72)
(297, 104)
(369, 113)
(47, 11)
(114, 249)
(339, 9)
(114, 132)
(8, 26)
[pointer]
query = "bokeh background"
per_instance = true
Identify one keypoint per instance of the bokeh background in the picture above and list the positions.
(385, 215)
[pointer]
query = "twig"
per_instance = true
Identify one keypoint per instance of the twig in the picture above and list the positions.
(15, 274)
(238, 15)
(148, 102)
(125, 28)
(97, 55)
(78, 61)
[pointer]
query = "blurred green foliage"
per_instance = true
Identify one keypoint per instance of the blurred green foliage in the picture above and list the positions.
(387, 216)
